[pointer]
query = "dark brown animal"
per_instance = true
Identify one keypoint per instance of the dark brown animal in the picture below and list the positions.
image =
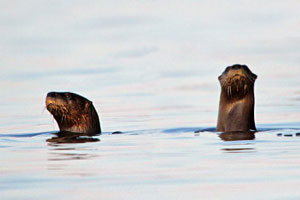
(236, 109)
(73, 113)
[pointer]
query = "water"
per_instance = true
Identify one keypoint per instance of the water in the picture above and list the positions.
(150, 68)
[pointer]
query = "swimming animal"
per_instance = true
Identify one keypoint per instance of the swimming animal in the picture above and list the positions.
(73, 113)
(236, 108)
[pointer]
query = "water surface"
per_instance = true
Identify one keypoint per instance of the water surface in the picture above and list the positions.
(150, 68)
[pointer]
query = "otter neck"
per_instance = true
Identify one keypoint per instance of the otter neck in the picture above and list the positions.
(236, 112)
(82, 123)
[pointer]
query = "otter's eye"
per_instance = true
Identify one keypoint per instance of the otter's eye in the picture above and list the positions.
(68, 96)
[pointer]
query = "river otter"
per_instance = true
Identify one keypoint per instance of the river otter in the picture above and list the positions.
(236, 109)
(73, 113)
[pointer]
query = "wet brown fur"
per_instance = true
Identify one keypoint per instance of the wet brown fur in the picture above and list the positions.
(236, 108)
(73, 113)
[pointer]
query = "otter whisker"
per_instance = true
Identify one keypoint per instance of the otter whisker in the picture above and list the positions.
(44, 109)
(251, 79)
(62, 119)
(245, 88)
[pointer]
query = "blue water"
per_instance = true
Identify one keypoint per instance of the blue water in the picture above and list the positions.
(150, 68)
(175, 163)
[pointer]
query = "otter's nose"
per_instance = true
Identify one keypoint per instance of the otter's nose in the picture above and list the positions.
(52, 94)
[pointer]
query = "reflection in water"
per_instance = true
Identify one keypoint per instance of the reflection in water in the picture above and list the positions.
(68, 137)
(70, 161)
(238, 150)
(63, 156)
(237, 135)
(66, 152)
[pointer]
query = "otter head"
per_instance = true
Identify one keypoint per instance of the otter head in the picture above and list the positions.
(73, 113)
(237, 80)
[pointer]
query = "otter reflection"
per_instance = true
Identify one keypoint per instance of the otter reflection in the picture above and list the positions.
(239, 150)
(237, 135)
(71, 137)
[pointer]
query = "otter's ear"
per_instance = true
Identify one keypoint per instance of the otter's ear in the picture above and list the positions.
(88, 104)
(254, 76)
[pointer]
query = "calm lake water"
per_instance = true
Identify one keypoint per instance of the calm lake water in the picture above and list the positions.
(150, 68)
